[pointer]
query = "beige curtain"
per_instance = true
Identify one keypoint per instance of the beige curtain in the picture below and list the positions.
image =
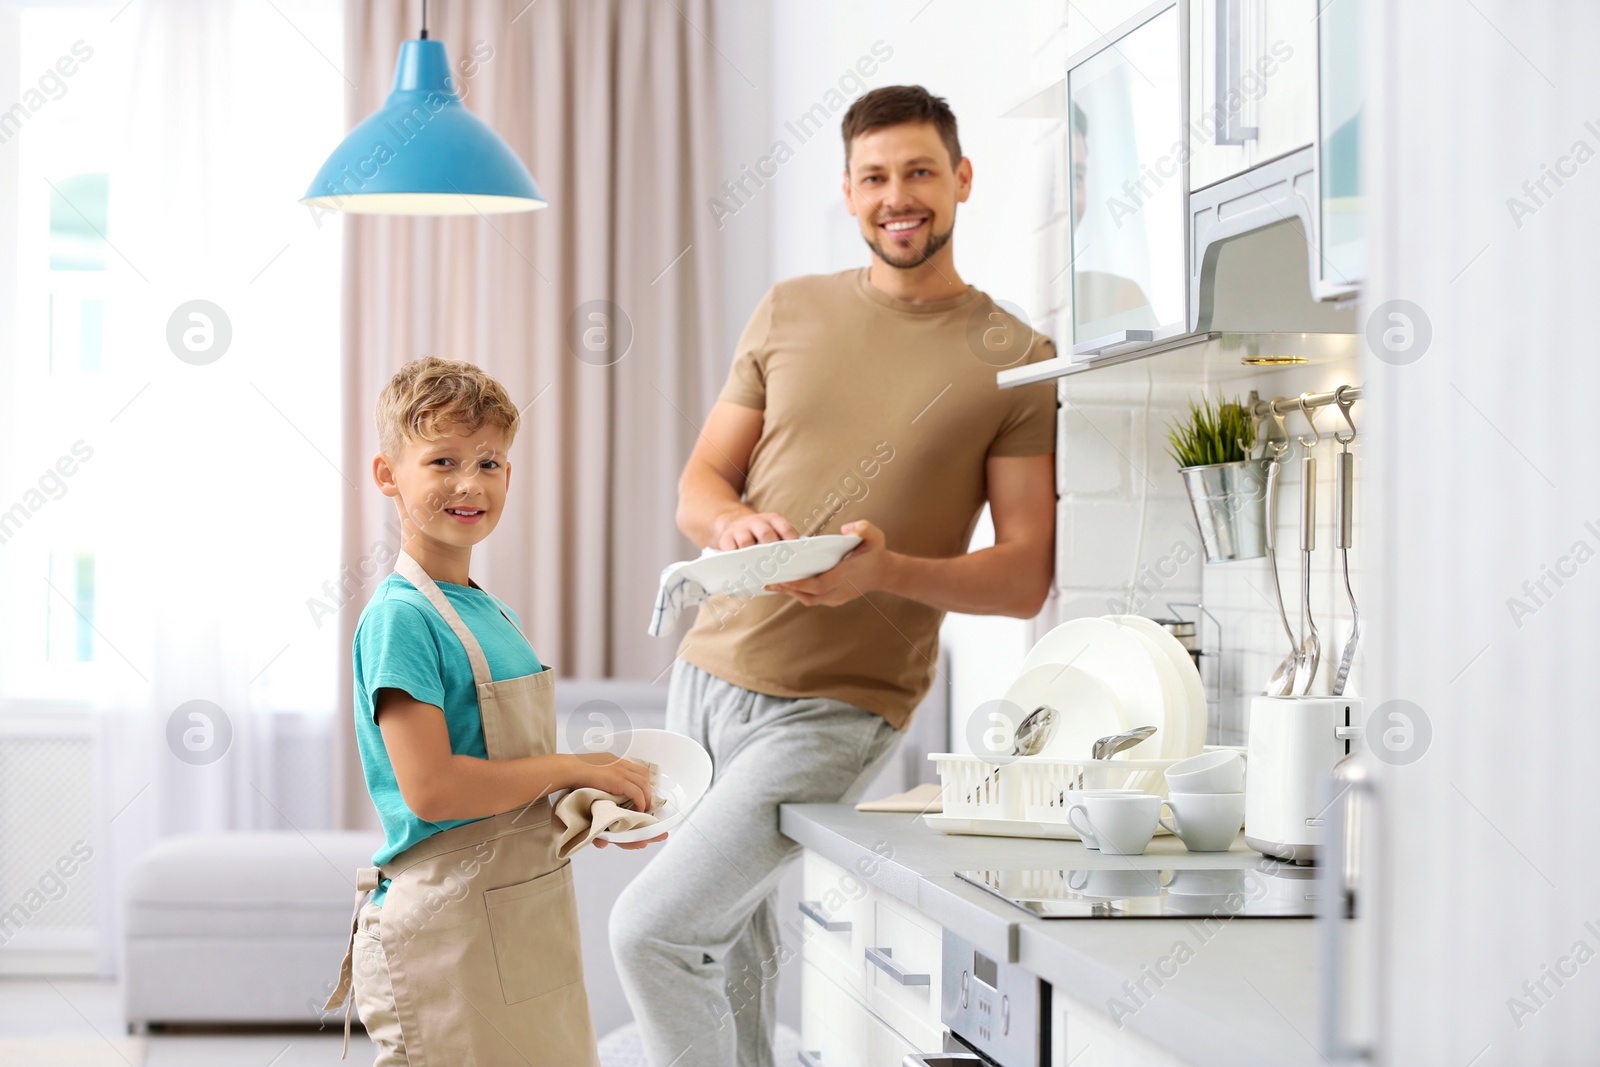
(612, 106)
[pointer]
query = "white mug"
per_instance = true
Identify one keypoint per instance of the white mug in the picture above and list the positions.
(1078, 795)
(1119, 824)
(1217, 771)
(1206, 822)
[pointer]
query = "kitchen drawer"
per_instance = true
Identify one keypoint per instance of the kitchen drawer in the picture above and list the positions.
(832, 896)
(835, 1028)
(913, 947)
(886, 1048)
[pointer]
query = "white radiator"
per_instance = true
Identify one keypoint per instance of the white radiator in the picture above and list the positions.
(49, 851)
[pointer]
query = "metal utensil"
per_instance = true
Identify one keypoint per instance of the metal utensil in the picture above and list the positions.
(1033, 733)
(1305, 670)
(1343, 525)
(1109, 746)
(1281, 684)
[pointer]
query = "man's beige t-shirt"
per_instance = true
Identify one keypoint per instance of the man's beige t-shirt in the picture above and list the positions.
(876, 409)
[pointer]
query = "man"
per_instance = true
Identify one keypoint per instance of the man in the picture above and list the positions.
(866, 393)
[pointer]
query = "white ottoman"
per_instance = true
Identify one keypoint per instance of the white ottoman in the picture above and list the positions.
(239, 927)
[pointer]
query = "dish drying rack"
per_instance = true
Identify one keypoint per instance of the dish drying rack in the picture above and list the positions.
(1029, 796)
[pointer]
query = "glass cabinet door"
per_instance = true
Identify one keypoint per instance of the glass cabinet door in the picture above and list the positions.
(1126, 127)
(1339, 150)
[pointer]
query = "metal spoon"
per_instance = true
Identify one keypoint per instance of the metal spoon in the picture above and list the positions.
(1109, 746)
(1305, 670)
(1033, 733)
(1282, 682)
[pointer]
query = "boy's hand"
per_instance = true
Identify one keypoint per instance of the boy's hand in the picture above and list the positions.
(611, 773)
(598, 843)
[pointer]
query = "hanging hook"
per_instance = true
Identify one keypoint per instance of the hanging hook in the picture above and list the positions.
(1344, 409)
(1280, 441)
(1260, 421)
(1311, 422)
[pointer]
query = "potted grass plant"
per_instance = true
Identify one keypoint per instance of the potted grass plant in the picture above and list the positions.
(1212, 447)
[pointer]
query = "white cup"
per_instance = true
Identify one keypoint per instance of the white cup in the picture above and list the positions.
(1115, 883)
(1206, 822)
(1077, 795)
(1119, 824)
(1218, 771)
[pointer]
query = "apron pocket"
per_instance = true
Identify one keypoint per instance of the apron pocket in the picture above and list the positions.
(534, 928)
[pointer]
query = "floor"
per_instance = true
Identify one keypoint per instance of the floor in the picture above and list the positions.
(81, 1019)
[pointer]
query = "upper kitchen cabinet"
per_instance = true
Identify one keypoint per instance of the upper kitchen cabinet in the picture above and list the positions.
(1252, 84)
(1339, 146)
(1090, 22)
(1124, 101)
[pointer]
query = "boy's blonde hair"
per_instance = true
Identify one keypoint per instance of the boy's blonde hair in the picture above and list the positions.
(430, 393)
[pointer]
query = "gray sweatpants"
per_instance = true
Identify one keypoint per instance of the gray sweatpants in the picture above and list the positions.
(695, 934)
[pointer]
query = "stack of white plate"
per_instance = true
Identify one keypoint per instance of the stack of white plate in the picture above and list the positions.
(1109, 675)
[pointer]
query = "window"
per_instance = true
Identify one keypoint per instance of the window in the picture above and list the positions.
(76, 164)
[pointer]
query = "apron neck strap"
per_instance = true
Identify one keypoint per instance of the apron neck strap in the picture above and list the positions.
(412, 571)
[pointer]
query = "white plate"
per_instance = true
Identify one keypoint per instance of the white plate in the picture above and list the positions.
(1116, 656)
(1173, 697)
(742, 572)
(683, 774)
(1086, 710)
(1188, 677)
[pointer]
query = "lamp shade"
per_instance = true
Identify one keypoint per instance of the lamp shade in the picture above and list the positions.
(423, 152)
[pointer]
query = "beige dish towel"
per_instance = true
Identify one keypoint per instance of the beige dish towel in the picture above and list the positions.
(585, 814)
(923, 799)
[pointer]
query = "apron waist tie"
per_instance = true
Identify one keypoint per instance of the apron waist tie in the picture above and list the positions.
(367, 879)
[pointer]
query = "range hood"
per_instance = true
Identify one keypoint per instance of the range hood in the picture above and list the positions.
(1256, 283)
(1253, 261)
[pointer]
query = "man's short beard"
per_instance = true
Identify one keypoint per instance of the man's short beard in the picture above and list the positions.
(935, 243)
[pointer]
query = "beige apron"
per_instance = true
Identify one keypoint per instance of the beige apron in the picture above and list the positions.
(480, 925)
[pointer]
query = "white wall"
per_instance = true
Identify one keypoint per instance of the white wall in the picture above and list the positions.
(1488, 478)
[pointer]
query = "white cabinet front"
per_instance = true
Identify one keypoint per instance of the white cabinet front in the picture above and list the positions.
(1126, 127)
(1252, 84)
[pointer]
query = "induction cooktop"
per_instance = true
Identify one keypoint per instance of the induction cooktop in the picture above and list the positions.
(1272, 890)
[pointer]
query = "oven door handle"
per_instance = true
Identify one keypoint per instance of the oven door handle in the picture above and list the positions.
(881, 958)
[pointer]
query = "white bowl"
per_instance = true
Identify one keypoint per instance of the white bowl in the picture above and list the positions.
(1217, 771)
(683, 774)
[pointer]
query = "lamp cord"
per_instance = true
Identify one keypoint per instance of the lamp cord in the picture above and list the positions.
(424, 20)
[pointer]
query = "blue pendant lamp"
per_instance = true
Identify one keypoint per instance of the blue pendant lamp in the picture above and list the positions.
(423, 152)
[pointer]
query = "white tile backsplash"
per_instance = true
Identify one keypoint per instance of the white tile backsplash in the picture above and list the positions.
(1113, 430)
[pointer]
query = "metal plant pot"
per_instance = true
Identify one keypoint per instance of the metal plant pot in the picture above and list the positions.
(1229, 502)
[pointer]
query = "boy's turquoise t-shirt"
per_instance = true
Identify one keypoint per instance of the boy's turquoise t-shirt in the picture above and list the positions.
(402, 642)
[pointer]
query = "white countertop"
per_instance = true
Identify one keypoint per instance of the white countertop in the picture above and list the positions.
(1241, 992)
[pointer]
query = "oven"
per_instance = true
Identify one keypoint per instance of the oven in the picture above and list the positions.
(996, 1013)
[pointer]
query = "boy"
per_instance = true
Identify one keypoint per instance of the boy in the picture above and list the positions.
(467, 951)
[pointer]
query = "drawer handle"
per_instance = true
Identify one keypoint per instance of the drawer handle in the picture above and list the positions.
(812, 909)
(810, 1059)
(882, 959)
